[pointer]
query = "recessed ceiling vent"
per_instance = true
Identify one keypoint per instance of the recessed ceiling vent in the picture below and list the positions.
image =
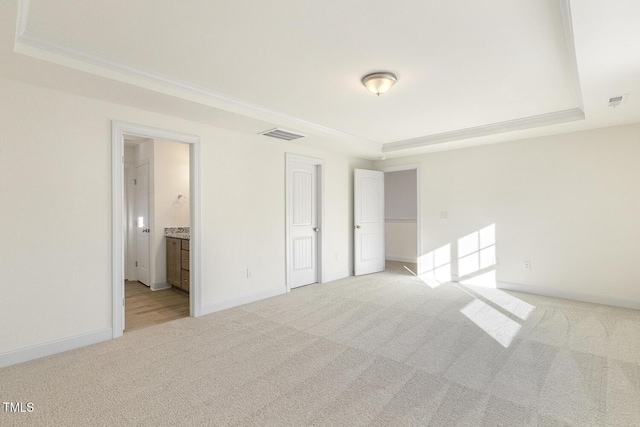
(614, 101)
(282, 134)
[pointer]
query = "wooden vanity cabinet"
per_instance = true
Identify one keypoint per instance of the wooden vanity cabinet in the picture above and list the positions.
(178, 263)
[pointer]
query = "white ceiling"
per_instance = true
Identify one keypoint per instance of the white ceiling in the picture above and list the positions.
(467, 71)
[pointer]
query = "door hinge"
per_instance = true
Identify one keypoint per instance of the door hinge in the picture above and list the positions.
(136, 263)
(135, 182)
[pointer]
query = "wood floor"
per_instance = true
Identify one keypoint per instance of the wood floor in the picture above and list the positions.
(144, 307)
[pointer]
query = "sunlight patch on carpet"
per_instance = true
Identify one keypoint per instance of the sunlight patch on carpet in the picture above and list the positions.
(497, 325)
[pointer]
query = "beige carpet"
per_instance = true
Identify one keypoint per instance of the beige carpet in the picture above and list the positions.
(382, 350)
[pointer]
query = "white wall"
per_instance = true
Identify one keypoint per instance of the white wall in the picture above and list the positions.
(568, 204)
(55, 214)
(400, 201)
(170, 178)
(401, 240)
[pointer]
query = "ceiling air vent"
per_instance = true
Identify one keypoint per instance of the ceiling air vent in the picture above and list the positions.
(282, 134)
(614, 101)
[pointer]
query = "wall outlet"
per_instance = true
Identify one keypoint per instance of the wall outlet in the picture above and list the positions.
(337, 257)
(526, 265)
(249, 273)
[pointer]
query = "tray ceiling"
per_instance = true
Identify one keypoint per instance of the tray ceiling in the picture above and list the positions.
(465, 69)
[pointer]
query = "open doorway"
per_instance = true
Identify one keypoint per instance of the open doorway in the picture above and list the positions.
(402, 226)
(157, 217)
(173, 203)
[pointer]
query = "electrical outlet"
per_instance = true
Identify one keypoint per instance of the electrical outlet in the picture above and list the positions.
(337, 257)
(249, 273)
(526, 265)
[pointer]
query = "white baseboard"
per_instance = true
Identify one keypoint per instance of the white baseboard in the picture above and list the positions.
(246, 299)
(335, 276)
(14, 357)
(570, 295)
(401, 259)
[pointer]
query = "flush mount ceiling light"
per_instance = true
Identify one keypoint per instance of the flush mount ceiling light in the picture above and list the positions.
(380, 82)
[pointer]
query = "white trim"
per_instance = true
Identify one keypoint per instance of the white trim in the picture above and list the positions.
(195, 242)
(401, 259)
(35, 45)
(246, 299)
(53, 347)
(117, 228)
(523, 123)
(22, 18)
(565, 10)
(29, 43)
(290, 157)
(419, 220)
(117, 135)
(569, 295)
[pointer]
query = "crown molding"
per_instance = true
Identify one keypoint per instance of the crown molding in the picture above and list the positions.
(35, 45)
(523, 123)
(29, 43)
(546, 119)
(74, 58)
(567, 22)
(22, 18)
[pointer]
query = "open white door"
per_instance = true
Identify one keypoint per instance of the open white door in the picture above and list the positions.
(142, 224)
(368, 221)
(302, 219)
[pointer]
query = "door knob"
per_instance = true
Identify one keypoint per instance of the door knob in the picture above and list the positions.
(357, 226)
(315, 229)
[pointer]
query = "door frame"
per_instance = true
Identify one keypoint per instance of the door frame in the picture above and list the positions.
(118, 130)
(406, 167)
(319, 163)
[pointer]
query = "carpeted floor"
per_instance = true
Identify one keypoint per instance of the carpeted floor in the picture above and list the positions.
(382, 350)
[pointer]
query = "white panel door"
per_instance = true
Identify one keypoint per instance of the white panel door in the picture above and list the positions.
(142, 224)
(303, 223)
(368, 221)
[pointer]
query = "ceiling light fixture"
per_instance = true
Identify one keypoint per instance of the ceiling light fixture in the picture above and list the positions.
(379, 83)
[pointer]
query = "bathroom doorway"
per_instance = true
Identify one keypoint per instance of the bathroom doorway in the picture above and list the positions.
(168, 208)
